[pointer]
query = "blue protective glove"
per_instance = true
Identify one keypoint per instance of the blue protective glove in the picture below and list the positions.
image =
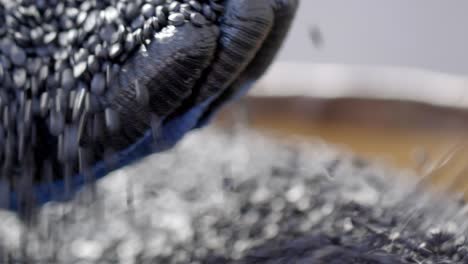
(166, 71)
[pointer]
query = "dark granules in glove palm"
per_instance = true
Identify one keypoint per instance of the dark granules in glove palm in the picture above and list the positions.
(219, 198)
(67, 71)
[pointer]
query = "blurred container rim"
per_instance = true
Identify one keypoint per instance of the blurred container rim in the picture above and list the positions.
(330, 81)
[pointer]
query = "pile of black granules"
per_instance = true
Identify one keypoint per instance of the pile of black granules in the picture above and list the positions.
(60, 65)
(245, 198)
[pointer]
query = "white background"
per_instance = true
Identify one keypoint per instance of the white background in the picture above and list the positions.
(430, 34)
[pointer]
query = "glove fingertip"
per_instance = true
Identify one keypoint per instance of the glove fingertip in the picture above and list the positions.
(283, 12)
(243, 29)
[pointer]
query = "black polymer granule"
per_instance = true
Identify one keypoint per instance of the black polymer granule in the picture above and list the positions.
(59, 66)
(260, 201)
(85, 81)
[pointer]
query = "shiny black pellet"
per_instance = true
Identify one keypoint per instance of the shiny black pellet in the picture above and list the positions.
(79, 69)
(138, 36)
(59, 63)
(115, 70)
(131, 10)
(91, 42)
(34, 86)
(70, 143)
(195, 5)
(129, 42)
(174, 7)
(68, 79)
(207, 11)
(109, 33)
(2, 72)
(71, 101)
(17, 55)
(21, 39)
(155, 23)
(82, 127)
(100, 51)
(148, 30)
(92, 104)
(93, 64)
(197, 19)
(176, 19)
(115, 50)
(43, 73)
(79, 56)
(84, 159)
(60, 147)
(34, 65)
(60, 100)
(138, 22)
(148, 10)
(6, 117)
(28, 113)
(91, 22)
(44, 104)
(5, 62)
(81, 18)
(161, 14)
(156, 2)
(185, 10)
(56, 123)
(112, 120)
(110, 14)
(19, 77)
(109, 74)
(98, 84)
(2, 138)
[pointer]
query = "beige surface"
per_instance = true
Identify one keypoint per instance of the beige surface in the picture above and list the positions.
(427, 139)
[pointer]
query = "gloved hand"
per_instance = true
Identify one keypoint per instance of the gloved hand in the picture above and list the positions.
(90, 86)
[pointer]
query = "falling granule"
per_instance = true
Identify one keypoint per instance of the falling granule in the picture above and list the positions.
(316, 36)
(260, 201)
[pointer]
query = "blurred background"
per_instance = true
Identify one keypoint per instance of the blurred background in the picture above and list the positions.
(385, 79)
(419, 33)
